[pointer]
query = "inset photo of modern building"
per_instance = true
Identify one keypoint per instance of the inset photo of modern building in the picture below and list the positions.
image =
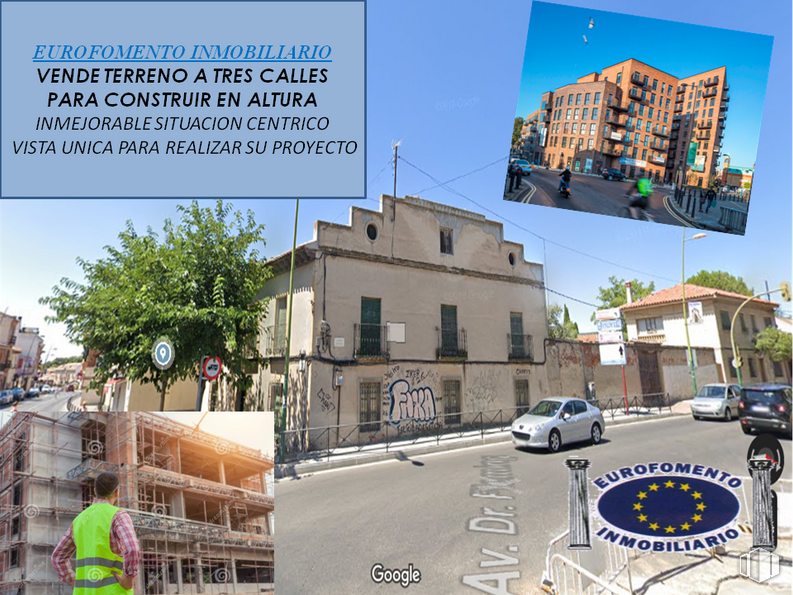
(609, 125)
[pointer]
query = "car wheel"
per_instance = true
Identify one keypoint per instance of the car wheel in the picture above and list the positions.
(554, 441)
(746, 429)
(595, 434)
(609, 178)
(696, 417)
(727, 414)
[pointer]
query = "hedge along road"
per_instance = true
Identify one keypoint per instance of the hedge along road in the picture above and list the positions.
(334, 526)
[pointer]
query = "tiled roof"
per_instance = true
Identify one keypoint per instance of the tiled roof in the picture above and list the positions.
(675, 294)
(588, 337)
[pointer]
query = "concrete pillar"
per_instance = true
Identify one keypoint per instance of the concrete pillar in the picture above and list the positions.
(177, 452)
(179, 583)
(222, 471)
(166, 580)
(199, 581)
(233, 571)
(578, 514)
(763, 510)
(227, 514)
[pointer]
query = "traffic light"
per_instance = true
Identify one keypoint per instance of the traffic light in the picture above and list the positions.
(785, 287)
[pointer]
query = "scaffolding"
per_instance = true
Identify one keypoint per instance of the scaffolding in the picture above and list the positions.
(202, 506)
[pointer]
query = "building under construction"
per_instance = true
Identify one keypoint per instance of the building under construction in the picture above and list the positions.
(202, 506)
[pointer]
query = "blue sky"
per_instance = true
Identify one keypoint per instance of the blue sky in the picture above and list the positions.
(444, 78)
(679, 49)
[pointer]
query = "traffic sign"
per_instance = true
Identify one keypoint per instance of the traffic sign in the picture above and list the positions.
(212, 368)
(608, 314)
(612, 354)
(610, 336)
(609, 325)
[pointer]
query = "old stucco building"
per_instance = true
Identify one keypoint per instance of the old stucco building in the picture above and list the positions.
(407, 318)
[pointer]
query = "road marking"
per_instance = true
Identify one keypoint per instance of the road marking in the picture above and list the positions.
(527, 198)
(671, 212)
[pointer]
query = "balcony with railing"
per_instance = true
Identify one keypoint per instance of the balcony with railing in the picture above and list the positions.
(370, 340)
(705, 124)
(678, 110)
(658, 160)
(726, 87)
(274, 341)
(680, 98)
(682, 88)
(520, 347)
(636, 95)
(710, 93)
(723, 115)
(617, 106)
(638, 80)
(703, 135)
(726, 97)
(546, 118)
(613, 151)
(91, 468)
(660, 132)
(451, 344)
(712, 82)
(716, 148)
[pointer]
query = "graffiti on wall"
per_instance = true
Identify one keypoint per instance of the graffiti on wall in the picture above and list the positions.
(409, 399)
(481, 391)
(325, 401)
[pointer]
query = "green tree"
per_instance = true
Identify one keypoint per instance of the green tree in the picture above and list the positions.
(775, 344)
(59, 361)
(615, 293)
(196, 286)
(516, 129)
(559, 324)
(721, 280)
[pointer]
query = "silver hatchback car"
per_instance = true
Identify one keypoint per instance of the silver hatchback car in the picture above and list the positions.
(716, 400)
(558, 420)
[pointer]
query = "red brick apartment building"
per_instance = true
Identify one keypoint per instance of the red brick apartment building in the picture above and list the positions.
(640, 120)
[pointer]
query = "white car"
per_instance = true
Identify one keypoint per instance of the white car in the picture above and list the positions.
(524, 166)
(558, 420)
(718, 401)
(45, 389)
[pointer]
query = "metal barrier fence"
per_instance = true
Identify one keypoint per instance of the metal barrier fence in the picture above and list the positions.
(636, 405)
(733, 219)
(374, 436)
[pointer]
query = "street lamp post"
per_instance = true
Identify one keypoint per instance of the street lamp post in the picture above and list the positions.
(685, 307)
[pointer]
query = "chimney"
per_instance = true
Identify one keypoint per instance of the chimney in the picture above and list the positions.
(629, 292)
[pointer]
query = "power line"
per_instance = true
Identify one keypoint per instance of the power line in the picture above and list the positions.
(484, 208)
(462, 176)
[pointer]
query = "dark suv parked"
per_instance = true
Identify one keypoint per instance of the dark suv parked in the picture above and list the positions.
(613, 174)
(765, 408)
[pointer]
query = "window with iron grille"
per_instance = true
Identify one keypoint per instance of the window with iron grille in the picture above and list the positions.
(449, 336)
(451, 402)
(371, 331)
(446, 241)
(369, 406)
(522, 395)
(275, 391)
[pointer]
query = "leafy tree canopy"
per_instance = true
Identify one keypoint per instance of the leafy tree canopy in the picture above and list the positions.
(721, 280)
(516, 129)
(615, 293)
(775, 344)
(559, 324)
(196, 285)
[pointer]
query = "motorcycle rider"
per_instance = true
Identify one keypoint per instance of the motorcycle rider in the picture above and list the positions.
(566, 175)
(640, 192)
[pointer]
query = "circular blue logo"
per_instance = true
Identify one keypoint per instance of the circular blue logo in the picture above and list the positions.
(162, 354)
(668, 506)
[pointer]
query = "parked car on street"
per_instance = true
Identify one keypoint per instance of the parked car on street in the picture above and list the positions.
(524, 166)
(558, 420)
(718, 401)
(613, 174)
(765, 408)
(6, 397)
(19, 393)
(45, 389)
(33, 392)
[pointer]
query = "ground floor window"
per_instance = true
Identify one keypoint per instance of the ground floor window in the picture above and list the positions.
(451, 401)
(252, 571)
(522, 395)
(369, 406)
(778, 370)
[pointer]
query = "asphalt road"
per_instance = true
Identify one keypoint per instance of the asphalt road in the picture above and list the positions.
(52, 402)
(588, 194)
(334, 526)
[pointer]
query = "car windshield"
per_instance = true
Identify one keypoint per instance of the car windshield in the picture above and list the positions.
(522, 162)
(545, 408)
(711, 392)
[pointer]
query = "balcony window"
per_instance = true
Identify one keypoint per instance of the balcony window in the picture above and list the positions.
(725, 320)
(446, 241)
(451, 340)
(452, 401)
(370, 334)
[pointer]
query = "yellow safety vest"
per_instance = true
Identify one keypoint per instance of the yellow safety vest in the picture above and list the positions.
(91, 530)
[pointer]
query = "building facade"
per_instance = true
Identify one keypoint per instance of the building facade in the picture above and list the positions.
(636, 118)
(202, 506)
(9, 352)
(531, 136)
(658, 319)
(30, 345)
(414, 317)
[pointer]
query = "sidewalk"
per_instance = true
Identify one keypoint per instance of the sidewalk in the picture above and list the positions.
(91, 398)
(403, 449)
(709, 220)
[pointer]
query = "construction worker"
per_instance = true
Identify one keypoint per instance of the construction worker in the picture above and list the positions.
(107, 549)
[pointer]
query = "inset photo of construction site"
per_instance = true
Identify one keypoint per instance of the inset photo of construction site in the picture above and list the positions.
(143, 503)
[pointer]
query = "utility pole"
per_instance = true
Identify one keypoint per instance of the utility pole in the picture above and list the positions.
(285, 391)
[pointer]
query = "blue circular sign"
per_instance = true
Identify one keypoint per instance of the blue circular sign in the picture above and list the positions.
(162, 354)
(668, 506)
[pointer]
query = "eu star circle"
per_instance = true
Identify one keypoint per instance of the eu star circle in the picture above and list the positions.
(162, 353)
